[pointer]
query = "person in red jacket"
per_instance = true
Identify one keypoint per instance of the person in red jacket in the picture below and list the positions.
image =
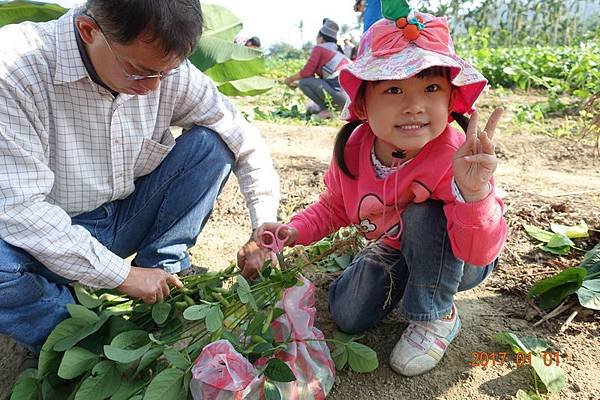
(318, 79)
(418, 189)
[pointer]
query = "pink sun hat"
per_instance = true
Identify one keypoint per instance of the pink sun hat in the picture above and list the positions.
(403, 44)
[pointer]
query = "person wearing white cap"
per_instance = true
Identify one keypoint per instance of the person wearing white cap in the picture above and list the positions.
(319, 76)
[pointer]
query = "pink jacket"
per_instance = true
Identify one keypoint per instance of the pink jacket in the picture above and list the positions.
(477, 231)
(324, 61)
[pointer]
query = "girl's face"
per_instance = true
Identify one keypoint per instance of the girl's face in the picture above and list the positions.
(406, 114)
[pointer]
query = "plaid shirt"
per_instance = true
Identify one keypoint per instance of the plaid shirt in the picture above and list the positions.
(68, 146)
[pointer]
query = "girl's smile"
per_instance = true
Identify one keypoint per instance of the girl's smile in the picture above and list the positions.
(406, 114)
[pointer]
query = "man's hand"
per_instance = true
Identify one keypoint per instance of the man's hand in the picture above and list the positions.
(149, 284)
(251, 258)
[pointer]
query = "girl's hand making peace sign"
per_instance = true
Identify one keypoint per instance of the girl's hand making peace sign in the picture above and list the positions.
(475, 161)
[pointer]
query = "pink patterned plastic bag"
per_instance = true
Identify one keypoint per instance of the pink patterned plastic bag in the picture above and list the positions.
(220, 373)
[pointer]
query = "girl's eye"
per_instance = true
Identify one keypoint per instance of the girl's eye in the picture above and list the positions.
(433, 88)
(394, 90)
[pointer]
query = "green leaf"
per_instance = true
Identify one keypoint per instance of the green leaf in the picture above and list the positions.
(535, 345)
(166, 385)
(127, 389)
(76, 361)
(560, 251)
(82, 313)
(148, 358)
(589, 294)
(26, 389)
(271, 391)
(84, 331)
(559, 240)
(573, 232)
(15, 12)
(591, 260)
(212, 51)
(251, 86)
(279, 371)
(101, 384)
(343, 260)
(177, 359)
(64, 329)
(245, 294)
(172, 331)
(85, 298)
(552, 291)
(130, 339)
(340, 356)
(117, 325)
(523, 395)
(160, 312)
(344, 337)
(513, 341)
(552, 375)
(197, 312)
(124, 356)
(220, 22)
(537, 233)
(48, 362)
(361, 358)
(214, 318)
(231, 70)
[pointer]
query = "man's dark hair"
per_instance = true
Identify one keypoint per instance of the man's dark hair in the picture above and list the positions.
(176, 24)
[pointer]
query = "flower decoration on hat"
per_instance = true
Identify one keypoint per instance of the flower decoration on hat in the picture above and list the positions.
(399, 11)
(409, 26)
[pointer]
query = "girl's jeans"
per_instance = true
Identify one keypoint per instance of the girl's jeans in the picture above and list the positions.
(315, 89)
(423, 275)
(160, 220)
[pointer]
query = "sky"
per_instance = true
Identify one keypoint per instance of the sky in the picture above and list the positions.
(276, 21)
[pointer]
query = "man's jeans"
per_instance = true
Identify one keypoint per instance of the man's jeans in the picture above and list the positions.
(160, 220)
(423, 275)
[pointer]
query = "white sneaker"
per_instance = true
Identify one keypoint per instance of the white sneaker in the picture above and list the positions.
(423, 345)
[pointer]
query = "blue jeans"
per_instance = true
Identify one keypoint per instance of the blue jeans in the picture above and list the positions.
(423, 275)
(159, 221)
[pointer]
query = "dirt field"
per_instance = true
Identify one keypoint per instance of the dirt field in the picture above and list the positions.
(546, 180)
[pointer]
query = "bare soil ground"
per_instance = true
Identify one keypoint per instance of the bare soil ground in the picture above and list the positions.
(546, 180)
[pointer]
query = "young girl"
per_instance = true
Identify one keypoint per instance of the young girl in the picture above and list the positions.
(325, 61)
(415, 186)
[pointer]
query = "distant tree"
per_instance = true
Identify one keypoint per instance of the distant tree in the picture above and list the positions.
(307, 47)
(286, 51)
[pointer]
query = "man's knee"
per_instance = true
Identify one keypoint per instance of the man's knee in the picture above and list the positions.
(206, 146)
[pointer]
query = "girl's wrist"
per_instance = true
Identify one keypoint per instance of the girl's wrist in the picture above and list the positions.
(475, 196)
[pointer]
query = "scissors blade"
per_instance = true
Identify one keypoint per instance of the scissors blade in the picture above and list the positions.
(280, 260)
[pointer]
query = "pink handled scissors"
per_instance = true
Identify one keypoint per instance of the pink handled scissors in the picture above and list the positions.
(275, 243)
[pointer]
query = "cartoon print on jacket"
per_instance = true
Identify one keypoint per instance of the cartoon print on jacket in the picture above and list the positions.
(376, 219)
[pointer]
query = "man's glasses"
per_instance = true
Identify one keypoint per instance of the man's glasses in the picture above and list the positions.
(132, 77)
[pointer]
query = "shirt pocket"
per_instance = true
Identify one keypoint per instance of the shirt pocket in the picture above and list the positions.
(151, 155)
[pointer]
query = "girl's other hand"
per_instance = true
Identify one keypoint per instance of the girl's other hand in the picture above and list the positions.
(272, 227)
(475, 161)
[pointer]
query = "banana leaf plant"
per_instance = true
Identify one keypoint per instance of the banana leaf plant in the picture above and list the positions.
(235, 69)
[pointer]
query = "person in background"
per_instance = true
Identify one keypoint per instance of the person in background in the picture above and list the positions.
(90, 172)
(348, 46)
(370, 12)
(319, 76)
(421, 191)
(253, 42)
